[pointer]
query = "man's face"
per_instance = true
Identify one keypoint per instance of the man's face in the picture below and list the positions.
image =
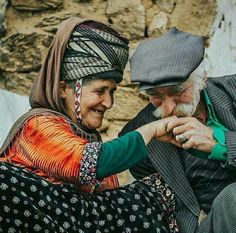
(180, 100)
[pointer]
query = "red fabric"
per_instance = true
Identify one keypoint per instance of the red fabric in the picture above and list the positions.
(48, 147)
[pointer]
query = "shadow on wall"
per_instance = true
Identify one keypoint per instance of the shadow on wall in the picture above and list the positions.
(12, 107)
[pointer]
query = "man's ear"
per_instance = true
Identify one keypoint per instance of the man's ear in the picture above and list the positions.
(205, 76)
(62, 89)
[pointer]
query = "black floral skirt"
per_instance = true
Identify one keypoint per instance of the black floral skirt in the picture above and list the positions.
(28, 203)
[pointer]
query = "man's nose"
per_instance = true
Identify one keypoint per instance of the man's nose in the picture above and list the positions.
(168, 105)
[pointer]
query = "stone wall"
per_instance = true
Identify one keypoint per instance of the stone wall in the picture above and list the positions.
(27, 28)
(222, 45)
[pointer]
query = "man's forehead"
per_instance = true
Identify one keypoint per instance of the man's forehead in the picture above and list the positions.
(166, 89)
(170, 89)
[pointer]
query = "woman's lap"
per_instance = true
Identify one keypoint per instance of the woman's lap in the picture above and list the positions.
(28, 203)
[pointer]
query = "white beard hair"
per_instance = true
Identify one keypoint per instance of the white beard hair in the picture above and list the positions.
(181, 110)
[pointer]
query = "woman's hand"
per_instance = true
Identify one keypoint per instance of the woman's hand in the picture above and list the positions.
(162, 133)
(157, 129)
(191, 133)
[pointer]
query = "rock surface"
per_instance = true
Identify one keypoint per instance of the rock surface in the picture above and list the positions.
(3, 24)
(27, 28)
(36, 5)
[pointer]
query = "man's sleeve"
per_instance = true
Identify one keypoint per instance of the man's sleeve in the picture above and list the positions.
(231, 146)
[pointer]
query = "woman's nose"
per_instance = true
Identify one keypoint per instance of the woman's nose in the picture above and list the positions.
(168, 106)
(107, 101)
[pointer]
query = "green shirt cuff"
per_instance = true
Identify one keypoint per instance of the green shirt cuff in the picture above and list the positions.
(219, 135)
(219, 152)
(121, 154)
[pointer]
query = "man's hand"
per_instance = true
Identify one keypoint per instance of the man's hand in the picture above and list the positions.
(191, 133)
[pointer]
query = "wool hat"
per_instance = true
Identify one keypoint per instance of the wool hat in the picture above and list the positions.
(167, 60)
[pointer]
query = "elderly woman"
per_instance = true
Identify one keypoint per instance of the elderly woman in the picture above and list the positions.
(53, 155)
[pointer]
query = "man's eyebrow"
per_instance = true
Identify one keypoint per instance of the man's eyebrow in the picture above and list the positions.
(151, 92)
(178, 88)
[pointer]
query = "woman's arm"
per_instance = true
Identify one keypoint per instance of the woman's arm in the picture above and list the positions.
(49, 144)
(128, 150)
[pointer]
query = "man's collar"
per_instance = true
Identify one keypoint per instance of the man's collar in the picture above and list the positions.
(210, 111)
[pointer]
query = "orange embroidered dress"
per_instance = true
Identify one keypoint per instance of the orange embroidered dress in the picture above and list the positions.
(59, 155)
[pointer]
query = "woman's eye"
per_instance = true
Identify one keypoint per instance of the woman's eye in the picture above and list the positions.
(99, 92)
(112, 93)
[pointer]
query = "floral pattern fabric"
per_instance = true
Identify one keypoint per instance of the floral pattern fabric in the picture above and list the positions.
(89, 163)
(29, 203)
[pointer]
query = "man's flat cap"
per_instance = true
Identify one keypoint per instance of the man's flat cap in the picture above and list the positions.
(167, 60)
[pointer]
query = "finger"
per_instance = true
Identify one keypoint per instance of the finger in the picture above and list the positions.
(177, 122)
(193, 123)
(200, 132)
(186, 135)
(181, 129)
(173, 141)
(169, 119)
(181, 138)
(196, 142)
(192, 143)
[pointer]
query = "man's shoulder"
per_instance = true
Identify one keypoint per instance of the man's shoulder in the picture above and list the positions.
(142, 118)
(222, 79)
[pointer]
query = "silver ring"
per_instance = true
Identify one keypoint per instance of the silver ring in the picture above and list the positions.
(182, 138)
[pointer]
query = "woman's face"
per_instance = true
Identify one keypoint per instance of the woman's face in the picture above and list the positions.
(96, 98)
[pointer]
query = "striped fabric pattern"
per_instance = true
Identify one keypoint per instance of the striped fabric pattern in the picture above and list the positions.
(179, 172)
(168, 59)
(223, 213)
(58, 154)
(90, 52)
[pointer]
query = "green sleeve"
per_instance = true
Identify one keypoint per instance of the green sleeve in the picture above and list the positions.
(121, 154)
(219, 151)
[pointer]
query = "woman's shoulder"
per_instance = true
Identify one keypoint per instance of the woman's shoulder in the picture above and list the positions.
(47, 121)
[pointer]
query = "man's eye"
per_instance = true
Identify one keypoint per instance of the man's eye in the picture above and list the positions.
(184, 91)
(179, 93)
(157, 97)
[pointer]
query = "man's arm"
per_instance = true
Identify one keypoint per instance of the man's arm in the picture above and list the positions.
(225, 106)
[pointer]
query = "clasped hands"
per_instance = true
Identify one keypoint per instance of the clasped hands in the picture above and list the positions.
(186, 133)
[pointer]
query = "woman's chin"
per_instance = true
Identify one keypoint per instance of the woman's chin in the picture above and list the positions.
(93, 125)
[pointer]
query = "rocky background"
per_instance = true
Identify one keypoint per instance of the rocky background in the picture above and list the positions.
(27, 28)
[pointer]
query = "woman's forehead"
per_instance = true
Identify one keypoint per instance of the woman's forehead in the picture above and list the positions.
(109, 83)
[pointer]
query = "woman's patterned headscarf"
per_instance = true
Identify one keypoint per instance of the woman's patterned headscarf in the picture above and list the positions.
(94, 49)
(45, 95)
(81, 48)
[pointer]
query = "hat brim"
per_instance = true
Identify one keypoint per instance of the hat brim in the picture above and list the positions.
(145, 86)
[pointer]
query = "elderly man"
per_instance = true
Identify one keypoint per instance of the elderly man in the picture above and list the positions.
(197, 156)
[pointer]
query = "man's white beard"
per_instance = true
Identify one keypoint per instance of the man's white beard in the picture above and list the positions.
(181, 110)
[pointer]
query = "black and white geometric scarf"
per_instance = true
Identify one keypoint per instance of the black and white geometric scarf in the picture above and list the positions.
(92, 51)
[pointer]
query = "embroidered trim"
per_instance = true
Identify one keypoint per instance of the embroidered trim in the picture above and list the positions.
(89, 164)
(77, 99)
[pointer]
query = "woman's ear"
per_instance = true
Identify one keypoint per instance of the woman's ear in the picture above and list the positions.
(62, 89)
